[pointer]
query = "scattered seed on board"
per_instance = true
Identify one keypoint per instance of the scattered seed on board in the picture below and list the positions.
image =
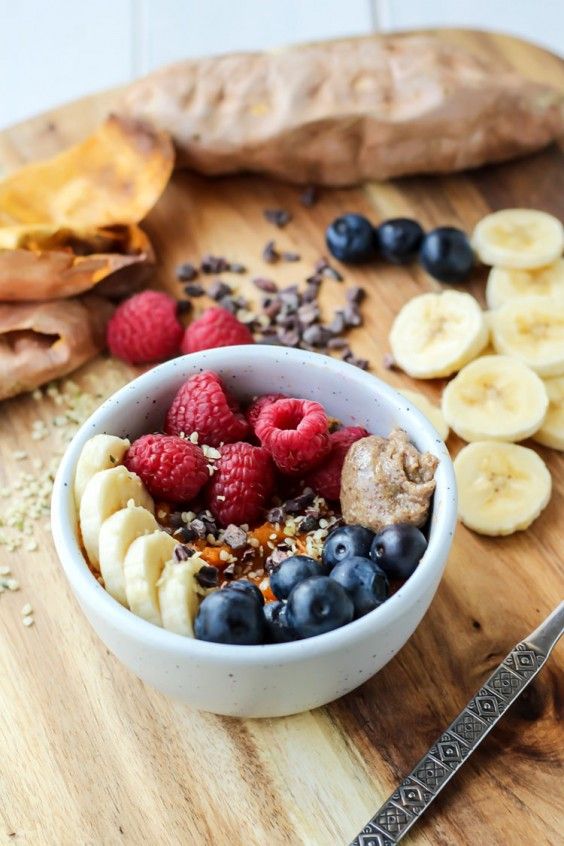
(25, 502)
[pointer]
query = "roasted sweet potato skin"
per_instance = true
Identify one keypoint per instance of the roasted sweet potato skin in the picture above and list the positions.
(347, 111)
(47, 340)
(62, 263)
(114, 176)
(69, 223)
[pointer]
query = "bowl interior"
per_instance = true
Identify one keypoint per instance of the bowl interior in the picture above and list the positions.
(347, 393)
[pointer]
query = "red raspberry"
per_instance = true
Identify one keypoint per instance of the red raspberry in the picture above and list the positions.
(326, 479)
(241, 486)
(257, 405)
(171, 468)
(295, 432)
(217, 327)
(202, 405)
(145, 328)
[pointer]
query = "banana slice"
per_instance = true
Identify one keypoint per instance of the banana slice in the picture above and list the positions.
(117, 533)
(551, 433)
(501, 487)
(142, 567)
(505, 284)
(178, 595)
(437, 334)
(105, 493)
(495, 398)
(100, 452)
(431, 411)
(520, 238)
(531, 329)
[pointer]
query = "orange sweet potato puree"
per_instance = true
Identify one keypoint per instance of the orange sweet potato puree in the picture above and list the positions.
(263, 534)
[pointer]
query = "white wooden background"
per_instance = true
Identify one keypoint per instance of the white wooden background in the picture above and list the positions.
(56, 50)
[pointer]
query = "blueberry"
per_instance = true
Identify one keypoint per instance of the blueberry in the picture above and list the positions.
(246, 587)
(447, 255)
(346, 542)
(318, 605)
(290, 572)
(230, 616)
(398, 550)
(351, 238)
(364, 581)
(277, 625)
(399, 239)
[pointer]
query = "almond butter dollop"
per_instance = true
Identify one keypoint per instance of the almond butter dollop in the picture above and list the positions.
(387, 481)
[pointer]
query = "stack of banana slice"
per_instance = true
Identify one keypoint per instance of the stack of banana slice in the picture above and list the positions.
(513, 391)
(123, 539)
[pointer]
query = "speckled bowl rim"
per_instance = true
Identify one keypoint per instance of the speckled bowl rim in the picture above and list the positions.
(91, 593)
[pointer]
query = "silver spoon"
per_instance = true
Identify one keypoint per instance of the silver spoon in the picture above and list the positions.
(445, 757)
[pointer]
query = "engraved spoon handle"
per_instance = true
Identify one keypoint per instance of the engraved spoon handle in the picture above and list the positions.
(416, 792)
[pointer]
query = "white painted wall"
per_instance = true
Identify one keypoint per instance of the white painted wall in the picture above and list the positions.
(56, 50)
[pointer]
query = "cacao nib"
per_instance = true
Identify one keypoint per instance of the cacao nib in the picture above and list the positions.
(276, 557)
(352, 315)
(270, 254)
(338, 324)
(199, 527)
(279, 217)
(289, 337)
(214, 264)
(234, 536)
(355, 294)
(194, 290)
(308, 313)
(183, 553)
(267, 285)
(276, 514)
(219, 289)
(208, 576)
(184, 534)
(309, 523)
(316, 335)
(186, 272)
(337, 344)
(298, 503)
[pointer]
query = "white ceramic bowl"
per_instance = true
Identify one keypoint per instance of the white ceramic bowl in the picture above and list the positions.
(259, 681)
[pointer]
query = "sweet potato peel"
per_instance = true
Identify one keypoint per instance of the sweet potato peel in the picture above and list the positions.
(115, 176)
(68, 223)
(43, 341)
(43, 263)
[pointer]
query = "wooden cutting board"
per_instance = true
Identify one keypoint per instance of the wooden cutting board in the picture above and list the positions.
(90, 755)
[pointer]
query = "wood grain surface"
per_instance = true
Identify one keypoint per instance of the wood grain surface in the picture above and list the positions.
(90, 755)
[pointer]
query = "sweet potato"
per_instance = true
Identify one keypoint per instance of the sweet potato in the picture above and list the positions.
(43, 341)
(44, 263)
(342, 112)
(69, 222)
(115, 176)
